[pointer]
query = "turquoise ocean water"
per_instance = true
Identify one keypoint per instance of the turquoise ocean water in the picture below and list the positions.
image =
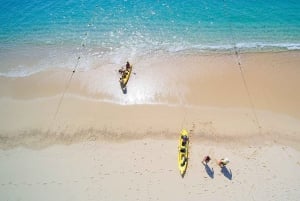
(40, 34)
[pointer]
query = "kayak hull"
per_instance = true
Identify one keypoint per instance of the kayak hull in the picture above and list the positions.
(125, 77)
(183, 152)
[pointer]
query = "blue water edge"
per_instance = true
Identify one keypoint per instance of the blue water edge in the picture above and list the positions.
(145, 27)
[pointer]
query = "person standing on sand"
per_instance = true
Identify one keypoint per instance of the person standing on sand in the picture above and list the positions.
(223, 162)
(206, 160)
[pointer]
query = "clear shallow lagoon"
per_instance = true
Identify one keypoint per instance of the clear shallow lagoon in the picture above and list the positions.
(44, 34)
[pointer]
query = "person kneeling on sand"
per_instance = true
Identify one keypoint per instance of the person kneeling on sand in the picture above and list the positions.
(223, 162)
(206, 160)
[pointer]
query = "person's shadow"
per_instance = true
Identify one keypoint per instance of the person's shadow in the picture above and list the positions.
(209, 171)
(227, 173)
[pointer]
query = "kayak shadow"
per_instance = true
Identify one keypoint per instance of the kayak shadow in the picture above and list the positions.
(123, 88)
(209, 171)
(227, 173)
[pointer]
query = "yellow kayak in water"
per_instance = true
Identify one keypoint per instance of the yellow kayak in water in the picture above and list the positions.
(125, 76)
(183, 151)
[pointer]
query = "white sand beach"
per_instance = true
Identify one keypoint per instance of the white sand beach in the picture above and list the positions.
(78, 137)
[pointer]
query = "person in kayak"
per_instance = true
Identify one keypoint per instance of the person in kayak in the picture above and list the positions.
(121, 70)
(184, 140)
(127, 65)
(184, 160)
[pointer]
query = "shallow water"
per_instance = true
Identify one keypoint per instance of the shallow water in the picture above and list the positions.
(39, 35)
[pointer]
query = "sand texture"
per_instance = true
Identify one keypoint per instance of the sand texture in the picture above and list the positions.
(78, 136)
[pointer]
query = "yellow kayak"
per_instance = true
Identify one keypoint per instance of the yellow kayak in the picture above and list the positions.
(125, 77)
(183, 151)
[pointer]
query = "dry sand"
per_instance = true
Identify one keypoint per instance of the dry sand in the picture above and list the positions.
(147, 170)
(78, 137)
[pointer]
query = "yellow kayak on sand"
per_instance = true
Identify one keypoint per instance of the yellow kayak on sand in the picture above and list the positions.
(183, 151)
(125, 76)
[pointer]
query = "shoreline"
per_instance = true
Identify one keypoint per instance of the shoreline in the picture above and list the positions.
(110, 122)
(227, 72)
(165, 94)
(47, 61)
